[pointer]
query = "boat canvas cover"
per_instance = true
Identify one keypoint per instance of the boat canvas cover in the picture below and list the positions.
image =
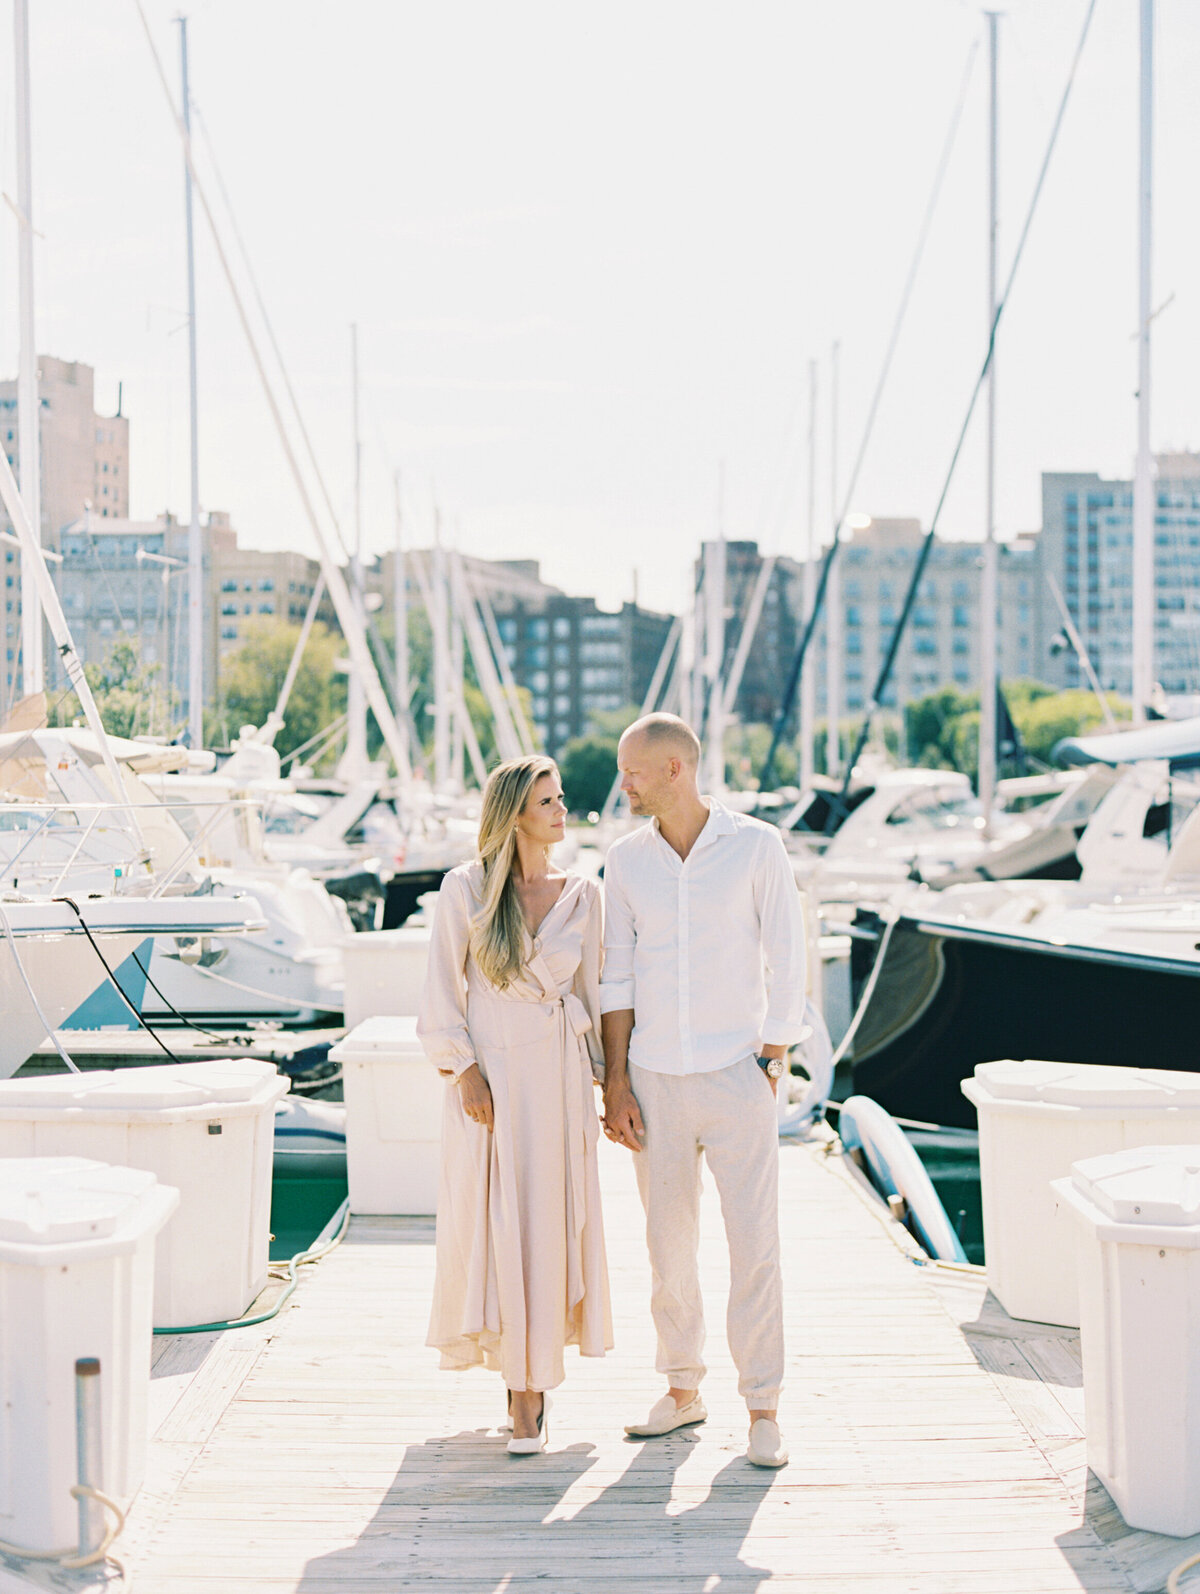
(1176, 742)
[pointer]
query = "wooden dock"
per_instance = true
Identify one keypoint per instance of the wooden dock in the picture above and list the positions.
(936, 1445)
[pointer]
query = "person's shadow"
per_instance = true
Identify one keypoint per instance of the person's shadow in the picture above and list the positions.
(463, 1513)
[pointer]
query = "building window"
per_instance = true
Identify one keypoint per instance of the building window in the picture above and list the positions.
(539, 681)
(266, 584)
(562, 705)
(562, 653)
(853, 614)
(537, 628)
(229, 633)
(961, 615)
(562, 626)
(562, 678)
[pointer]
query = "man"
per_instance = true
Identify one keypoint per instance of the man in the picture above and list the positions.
(702, 993)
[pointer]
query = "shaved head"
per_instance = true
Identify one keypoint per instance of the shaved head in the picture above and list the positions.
(667, 733)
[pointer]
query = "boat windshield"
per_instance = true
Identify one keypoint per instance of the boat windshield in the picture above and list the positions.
(931, 810)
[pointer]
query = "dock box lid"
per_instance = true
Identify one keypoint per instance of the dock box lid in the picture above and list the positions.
(225, 1083)
(1156, 1186)
(377, 1039)
(1081, 1085)
(56, 1201)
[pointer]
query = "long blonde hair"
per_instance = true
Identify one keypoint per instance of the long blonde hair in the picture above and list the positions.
(498, 934)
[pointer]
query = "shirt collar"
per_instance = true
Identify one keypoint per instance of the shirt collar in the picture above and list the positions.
(718, 823)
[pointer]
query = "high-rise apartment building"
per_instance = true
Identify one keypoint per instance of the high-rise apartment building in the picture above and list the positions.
(111, 589)
(941, 644)
(574, 659)
(84, 462)
(1087, 543)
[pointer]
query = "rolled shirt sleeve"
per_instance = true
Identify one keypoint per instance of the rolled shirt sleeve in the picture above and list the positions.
(617, 984)
(442, 1020)
(784, 944)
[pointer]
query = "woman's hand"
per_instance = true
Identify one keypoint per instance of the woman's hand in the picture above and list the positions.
(476, 1096)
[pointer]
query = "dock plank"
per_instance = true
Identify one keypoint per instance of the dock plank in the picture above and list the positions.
(329, 1452)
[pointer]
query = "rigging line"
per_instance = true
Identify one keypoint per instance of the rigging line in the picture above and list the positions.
(115, 982)
(339, 590)
(267, 324)
(922, 559)
(787, 701)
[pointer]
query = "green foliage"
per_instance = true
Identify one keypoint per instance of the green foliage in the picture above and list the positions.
(942, 730)
(251, 676)
(128, 694)
(934, 730)
(588, 764)
(1046, 718)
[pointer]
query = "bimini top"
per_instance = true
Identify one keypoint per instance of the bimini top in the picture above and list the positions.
(1175, 741)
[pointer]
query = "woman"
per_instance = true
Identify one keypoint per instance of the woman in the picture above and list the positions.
(511, 1012)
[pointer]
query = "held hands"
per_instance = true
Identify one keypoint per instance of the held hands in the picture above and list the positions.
(476, 1096)
(622, 1116)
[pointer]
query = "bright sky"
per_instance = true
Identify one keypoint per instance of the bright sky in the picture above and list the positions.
(591, 251)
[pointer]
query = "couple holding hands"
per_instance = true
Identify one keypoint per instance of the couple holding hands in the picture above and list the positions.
(695, 959)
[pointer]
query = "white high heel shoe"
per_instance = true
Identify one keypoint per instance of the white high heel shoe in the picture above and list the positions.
(531, 1447)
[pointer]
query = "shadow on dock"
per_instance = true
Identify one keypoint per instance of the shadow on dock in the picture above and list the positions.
(463, 1517)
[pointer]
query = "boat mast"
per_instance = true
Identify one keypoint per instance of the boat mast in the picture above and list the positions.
(833, 611)
(400, 619)
(1143, 476)
(808, 679)
(28, 418)
(441, 662)
(714, 636)
(353, 764)
(989, 582)
(195, 559)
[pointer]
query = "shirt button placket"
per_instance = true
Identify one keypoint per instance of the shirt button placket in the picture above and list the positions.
(685, 1002)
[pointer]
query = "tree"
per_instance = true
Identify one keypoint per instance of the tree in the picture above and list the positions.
(251, 676)
(128, 694)
(588, 764)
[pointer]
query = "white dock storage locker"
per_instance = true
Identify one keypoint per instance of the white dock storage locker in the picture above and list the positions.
(394, 1099)
(1035, 1120)
(384, 972)
(207, 1128)
(1137, 1214)
(76, 1280)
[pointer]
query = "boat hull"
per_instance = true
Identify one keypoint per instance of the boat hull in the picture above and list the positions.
(943, 1004)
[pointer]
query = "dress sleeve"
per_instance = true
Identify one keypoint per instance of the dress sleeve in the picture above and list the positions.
(586, 984)
(442, 1020)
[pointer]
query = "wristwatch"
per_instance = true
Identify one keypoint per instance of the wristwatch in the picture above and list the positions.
(772, 1067)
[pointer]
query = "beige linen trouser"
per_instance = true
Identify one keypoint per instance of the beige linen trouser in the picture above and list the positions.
(730, 1116)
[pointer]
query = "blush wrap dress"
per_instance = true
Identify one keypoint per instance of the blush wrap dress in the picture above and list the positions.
(521, 1269)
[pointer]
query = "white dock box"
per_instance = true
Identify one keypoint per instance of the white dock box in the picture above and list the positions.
(1137, 1215)
(1035, 1120)
(394, 1098)
(207, 1128)
(76, 1280)
(384, 972)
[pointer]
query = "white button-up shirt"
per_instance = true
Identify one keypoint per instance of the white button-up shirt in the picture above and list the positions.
(708, 951)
